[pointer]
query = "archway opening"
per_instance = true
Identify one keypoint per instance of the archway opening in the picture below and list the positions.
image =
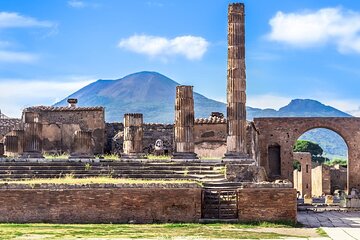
(326, 160)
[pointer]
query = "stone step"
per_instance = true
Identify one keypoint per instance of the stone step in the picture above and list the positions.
(135, 176)
(111, 163)
(102, 171)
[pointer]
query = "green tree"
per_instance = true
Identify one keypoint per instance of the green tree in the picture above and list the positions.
(313, 148)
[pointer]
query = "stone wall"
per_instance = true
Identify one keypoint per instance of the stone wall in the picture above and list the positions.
(209, 137)
(302, 179)
(338, 176)
(152, 132)
(100, 204)
(60, 123)
(267, 204)
(321, 181)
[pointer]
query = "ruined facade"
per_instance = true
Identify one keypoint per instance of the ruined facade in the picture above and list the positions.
(59, 124)
(277, 137)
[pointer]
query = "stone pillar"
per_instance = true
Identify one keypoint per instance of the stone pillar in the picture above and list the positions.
(83, 145)
(32, 135)
(236, 84)
(133, 136)
(11, 145)
(184, 123)
(2, 150)
(14, 142)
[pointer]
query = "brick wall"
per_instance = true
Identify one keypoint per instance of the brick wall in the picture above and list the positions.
(100, 205)
(267, 204)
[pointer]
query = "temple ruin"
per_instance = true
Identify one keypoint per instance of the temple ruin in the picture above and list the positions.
(251, 178)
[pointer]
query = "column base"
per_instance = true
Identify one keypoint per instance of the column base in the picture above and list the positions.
(242, 157)
(133, 156)
(187, 155)
(31, 155)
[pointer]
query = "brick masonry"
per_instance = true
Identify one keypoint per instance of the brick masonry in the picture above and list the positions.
(286, 130)
(100, 205)
(267, 204)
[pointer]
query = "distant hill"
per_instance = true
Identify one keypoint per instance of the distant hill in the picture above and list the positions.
(150, 93)
(153, 94)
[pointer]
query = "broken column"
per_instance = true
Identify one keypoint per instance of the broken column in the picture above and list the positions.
(184, 123)
(133, 136)
(83, 145)
(14, 142)
(236, 84)
(32, 135)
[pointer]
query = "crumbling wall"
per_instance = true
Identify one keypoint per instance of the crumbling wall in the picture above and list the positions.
(60, 123)
(338, 176)
(8, 124)
(152, 132)
(209, 137)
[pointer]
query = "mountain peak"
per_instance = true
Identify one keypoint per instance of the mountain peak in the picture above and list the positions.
(309, 107)
(153, 94)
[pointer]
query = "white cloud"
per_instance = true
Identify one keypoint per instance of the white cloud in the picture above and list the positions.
(327, 25)
(17, 57)
(191, 47)
(32, 92)
(14, 20)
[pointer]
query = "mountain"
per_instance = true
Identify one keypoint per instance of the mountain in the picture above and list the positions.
(150, 93)
(153, 94)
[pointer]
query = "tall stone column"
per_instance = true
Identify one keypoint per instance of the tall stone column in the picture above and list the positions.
(236, 84)
(133, 136)
(184, 123)
(83, 145)
(32, 135)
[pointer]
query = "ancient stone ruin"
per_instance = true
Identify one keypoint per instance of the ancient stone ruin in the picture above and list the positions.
(249, 177)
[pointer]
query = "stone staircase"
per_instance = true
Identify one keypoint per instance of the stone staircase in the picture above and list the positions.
(117, 169)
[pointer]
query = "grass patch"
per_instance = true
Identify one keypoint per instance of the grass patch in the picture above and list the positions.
(321, 232)
(160, 157)
(70, 180)
(109, 157)
(56, 156)
(152, 231)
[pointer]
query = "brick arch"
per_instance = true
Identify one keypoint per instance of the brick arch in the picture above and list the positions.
(286, 131)
(332, 127)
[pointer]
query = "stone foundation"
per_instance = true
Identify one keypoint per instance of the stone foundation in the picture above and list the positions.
(245, 173)
(267, 204)
(100, 204)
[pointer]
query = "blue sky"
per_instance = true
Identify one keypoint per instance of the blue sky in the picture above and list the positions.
(294, 49)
